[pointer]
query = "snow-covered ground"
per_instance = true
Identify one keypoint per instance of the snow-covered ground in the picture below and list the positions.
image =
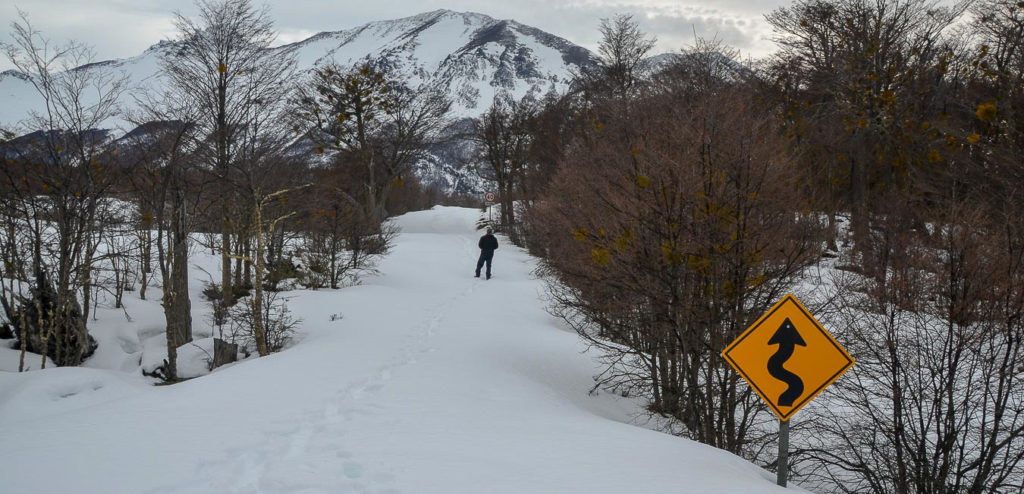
(430, 381)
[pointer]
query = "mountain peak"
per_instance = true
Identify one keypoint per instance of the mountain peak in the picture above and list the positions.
(469, 56)
(451, 13)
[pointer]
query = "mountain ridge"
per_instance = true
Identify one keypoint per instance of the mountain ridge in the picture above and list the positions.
(424, 48)
(470, 56)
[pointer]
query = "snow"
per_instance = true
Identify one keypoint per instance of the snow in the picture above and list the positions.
(355, 45)
(430, 381)
(545, 56)
(441, 39)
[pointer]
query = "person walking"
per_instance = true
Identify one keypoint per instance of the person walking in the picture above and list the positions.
(488, 244)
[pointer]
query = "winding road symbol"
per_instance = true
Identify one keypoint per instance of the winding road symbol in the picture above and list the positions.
(785, 377)
(787, 337)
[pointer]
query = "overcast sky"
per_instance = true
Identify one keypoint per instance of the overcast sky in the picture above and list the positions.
(125, 28)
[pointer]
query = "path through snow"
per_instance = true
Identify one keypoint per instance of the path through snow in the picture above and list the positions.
(432, 382)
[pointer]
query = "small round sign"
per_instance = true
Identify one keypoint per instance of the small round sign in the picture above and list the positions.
(489, 196)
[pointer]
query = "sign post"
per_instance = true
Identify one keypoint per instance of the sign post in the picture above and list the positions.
(489, 198)
(784, 376)
(782, 472)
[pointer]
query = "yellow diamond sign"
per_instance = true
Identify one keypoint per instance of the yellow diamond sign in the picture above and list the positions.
(787, 357)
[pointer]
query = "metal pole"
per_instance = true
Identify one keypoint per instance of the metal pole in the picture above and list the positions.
(783, 470)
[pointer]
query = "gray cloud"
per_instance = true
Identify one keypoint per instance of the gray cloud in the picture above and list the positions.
(745, 34)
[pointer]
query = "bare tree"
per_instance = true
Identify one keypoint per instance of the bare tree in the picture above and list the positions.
(622, 48)
(372, 130)
(934, 403)
(372, 122)
(224, 66)
(503, 138)
(264, 229)
(57, 186)
(168, 183)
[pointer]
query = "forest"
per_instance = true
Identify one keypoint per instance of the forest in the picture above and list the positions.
(871, 165)
(880, 145)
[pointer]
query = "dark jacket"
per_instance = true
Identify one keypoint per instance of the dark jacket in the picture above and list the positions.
(488, 244)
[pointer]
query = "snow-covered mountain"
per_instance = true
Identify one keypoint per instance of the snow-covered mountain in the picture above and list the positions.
(471, 56)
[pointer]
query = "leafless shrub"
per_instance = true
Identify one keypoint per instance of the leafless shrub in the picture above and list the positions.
(278, 323)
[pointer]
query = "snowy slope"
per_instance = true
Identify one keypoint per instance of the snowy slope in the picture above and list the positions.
(431, 381)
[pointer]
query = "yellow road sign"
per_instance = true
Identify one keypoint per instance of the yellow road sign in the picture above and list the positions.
(787, 357)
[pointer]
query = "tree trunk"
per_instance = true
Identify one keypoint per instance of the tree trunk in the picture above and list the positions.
(240, 247)
(182, 309)
(24, 341)
(225, 263)
(858, 203)
(333, 265)
(833, 231)
(177, 305)
(180, 313)
(146, 262)
(247, 267)
(223, 164)
(224, 352)
(171, 364)
(86, 288)
(118, 285)
(45, 338)
(257, 300)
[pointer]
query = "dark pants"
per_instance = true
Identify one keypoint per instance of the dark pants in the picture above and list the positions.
(485, 256)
